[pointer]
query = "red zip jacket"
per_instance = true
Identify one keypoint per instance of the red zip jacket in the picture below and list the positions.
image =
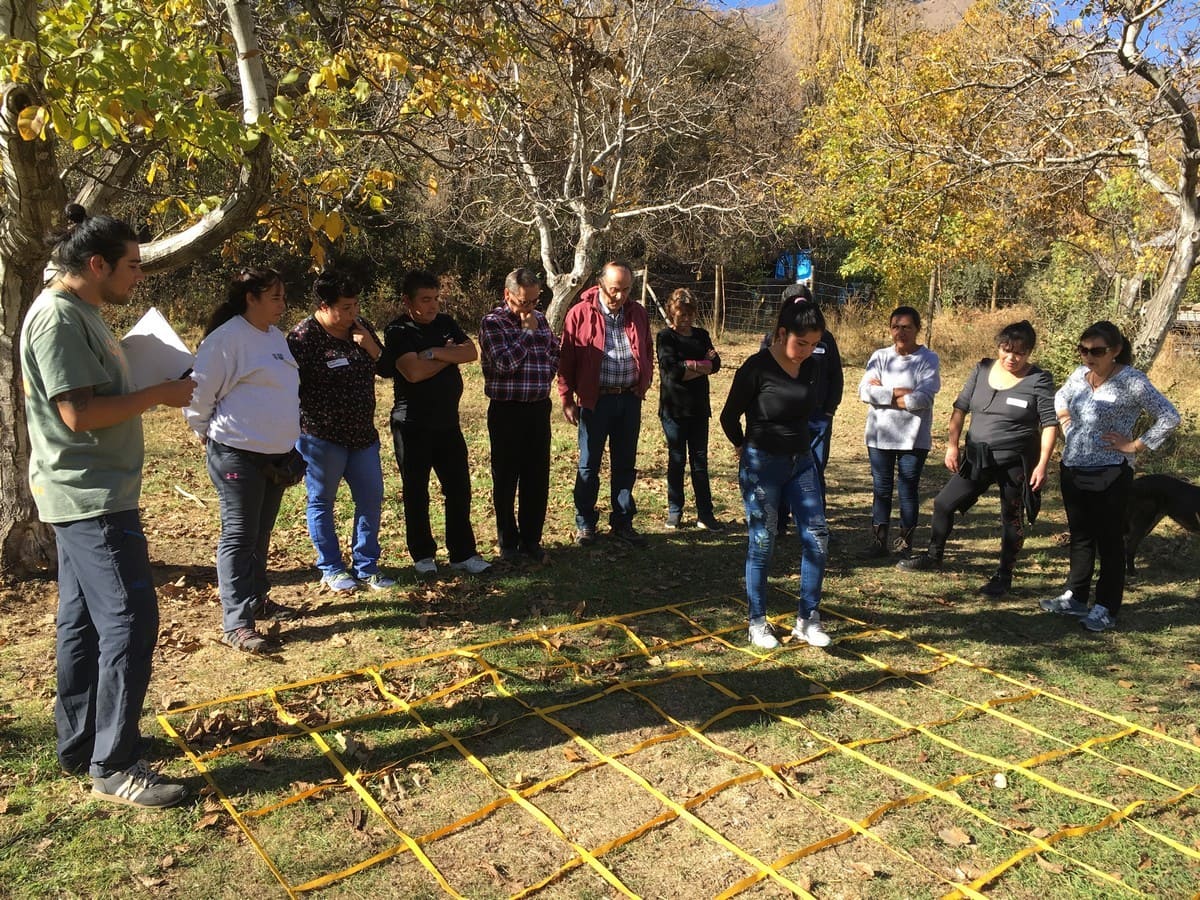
(583, 347)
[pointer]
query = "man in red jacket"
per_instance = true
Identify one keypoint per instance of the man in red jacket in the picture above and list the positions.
(604, 371)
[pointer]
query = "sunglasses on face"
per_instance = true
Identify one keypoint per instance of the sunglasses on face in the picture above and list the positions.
(1095, 352)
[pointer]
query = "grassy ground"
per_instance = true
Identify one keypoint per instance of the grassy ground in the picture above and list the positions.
(600, 721)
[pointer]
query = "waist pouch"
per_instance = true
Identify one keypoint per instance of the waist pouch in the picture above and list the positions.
(1095, 479)
(287, 470)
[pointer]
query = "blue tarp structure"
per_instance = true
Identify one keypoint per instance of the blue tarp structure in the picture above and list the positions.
(794, 265)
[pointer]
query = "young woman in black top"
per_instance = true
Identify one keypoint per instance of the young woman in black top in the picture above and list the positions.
(685, 360)
(1012, 434)
(775, 392)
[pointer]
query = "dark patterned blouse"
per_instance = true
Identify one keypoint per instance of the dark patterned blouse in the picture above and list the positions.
(337, 386)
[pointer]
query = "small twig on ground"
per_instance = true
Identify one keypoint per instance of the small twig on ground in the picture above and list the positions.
(190, 496)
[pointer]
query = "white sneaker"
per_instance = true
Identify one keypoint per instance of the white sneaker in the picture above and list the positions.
(1064, 604)
(472, 565)
(763, 637)
(425, 566)
(1099, 619)
(810, 630)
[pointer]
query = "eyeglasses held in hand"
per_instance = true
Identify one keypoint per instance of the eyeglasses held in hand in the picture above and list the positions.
(1095, 352)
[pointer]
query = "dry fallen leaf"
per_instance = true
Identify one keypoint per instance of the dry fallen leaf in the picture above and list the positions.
(955, 836)
(166, 862)
(866, 870)
(206, 821)
(1039, 833)
(572, 754)
(654, 661)
(1052, 868)
(1145, 862)
(1125, 683)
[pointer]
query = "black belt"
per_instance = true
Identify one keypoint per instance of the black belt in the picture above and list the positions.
(617, 390)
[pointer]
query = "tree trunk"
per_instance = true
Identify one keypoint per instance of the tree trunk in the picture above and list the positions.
(1163, 305)
(1129, 291)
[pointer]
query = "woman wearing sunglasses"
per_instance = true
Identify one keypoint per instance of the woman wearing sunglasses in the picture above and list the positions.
(1097, 408)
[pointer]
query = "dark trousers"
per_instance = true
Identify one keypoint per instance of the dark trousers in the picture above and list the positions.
(617, 421)
(885, 465)
(419, 452)
(249, 506)
(520, 439)
(960, 494)
(1097, 523)
(107, 628)
(687, 441)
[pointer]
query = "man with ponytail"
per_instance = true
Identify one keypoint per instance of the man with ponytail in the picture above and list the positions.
(85, 472)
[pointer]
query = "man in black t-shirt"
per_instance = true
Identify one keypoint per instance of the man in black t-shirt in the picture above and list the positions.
(422, 351)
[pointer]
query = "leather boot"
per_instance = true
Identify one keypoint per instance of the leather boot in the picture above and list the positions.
(929, 561)
(879, 541)
(903, 543)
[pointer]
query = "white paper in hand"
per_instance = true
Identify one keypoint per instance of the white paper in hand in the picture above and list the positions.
(154, 351)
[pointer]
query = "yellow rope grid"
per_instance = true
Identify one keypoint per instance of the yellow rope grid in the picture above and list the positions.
(409, 710)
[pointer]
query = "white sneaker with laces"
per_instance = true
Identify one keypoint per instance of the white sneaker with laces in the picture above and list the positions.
(762, 636)
(472, 565)
(425, 566)
(810, 630)
(1064, 604)
(1099, 619)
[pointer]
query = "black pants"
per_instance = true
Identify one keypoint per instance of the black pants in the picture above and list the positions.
(520, 438)
(960, 494)
(1097, 523)
(420, 451)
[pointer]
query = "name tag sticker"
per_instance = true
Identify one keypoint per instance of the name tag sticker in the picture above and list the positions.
(338, 363)
(817, 351)
(1017, 401)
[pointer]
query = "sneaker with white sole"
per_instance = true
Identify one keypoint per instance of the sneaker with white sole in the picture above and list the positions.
(1064, 604)
(810, 630)
(377, 581)
(472, 565)
(762, 636)
(425, 566)
(340, 582)
(1099, 619)
(139, 786)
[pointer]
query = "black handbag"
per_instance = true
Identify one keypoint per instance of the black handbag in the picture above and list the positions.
(289, 469)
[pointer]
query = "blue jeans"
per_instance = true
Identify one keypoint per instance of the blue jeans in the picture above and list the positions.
(766, 480)
(107, 628)
(616, 420)
(884, 466)
(328, 464)
(249, 507)
(687, 440)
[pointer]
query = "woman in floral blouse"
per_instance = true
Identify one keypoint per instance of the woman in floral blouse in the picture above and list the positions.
(1098, 407)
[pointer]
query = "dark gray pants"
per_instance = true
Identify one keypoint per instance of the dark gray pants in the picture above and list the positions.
(249, 507)
(107, 628)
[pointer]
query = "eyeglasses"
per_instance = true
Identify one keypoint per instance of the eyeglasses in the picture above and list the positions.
(1095, 352)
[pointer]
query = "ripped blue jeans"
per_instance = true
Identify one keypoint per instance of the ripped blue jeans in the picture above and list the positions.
(765, 480)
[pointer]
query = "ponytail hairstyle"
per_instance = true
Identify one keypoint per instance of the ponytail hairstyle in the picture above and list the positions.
(798, 316)
(681, 300)
(333, 283)
(86, 236)
(244, 283)
(1112, 337)
(1019, 337)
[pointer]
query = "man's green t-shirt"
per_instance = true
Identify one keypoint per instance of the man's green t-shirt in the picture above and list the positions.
(66, 345)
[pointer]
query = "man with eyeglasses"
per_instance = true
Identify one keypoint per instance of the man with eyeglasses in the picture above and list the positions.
(605, 368)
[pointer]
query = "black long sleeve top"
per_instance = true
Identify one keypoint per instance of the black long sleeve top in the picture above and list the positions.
(776, 406)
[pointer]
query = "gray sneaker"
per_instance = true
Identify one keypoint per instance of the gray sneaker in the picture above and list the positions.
(139, 786)
(1098, 619)
(1064, 604)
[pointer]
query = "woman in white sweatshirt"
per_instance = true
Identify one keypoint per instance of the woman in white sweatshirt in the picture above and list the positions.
(246, 410)
(899, 386)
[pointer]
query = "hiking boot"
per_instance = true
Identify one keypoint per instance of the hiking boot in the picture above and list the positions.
(903, 542)
(139, 786)
(425, 566)
(998, 585)
(269, 609)
(245, 639)
(537, 555)
(810, 630)
(340, 582)
(1064, 604)
(673, 520)
(710, 523)
(377, 581)
(629, 535)
(472, 565)
(762, 636)
(926, 562)
(1098, 619)
(585, 536)
(879, 542)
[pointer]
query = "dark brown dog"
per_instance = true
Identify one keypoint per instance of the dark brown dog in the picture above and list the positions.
(1156, 496)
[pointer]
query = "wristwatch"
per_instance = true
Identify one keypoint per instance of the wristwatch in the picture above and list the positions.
(427, 354)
